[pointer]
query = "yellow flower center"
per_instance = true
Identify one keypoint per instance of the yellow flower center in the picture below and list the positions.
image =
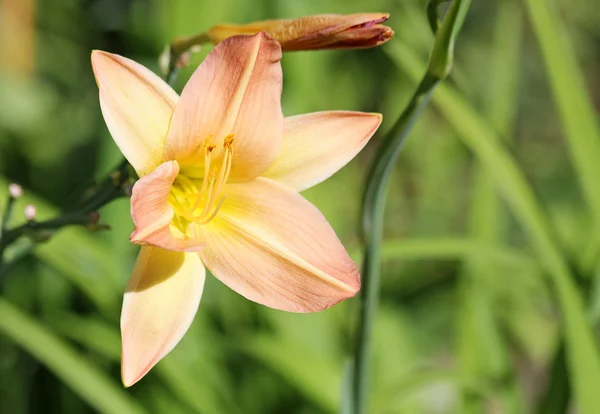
(197, 198)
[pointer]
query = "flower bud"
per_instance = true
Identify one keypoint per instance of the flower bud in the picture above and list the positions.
(30, 212)
(324, 31)
(15, 190)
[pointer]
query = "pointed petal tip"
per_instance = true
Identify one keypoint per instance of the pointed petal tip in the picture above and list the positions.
(262, 39)
(159, 305)
(100, 56)
(263, 36)
(350, 291)
(318, 144)
(376, 119)
(129, 377)
(96, 58)
(376, 115)
(135, 237)
(352, 288)
(131, 369)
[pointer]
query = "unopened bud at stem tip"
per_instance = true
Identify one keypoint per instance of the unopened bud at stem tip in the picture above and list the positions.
(30, 212)
(15, 190)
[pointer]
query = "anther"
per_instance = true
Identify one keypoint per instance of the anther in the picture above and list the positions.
(228, 141)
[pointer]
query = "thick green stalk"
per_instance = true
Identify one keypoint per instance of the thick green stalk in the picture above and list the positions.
(375, 194)
(373, 217)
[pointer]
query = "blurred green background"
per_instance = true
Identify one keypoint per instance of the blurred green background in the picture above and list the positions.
(467, 321)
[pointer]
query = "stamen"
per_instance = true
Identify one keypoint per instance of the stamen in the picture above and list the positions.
(216, 184)
(224, 171)
(208, 204)
(214, 213)
(228, 141)
(186, 198)
(207, 150)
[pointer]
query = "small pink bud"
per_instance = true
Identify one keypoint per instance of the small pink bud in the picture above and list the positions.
(30, 212)
(15, 190)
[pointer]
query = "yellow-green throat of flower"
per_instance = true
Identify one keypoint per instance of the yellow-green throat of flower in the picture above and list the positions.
(196, 194)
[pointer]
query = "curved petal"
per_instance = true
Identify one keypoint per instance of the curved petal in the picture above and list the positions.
(317, 145)
(150, 208)
(152, 214)
(137, 106)
(272, 246)
(236, 90)
(160, 303)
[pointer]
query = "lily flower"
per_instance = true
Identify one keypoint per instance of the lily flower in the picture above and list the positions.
(220, 174)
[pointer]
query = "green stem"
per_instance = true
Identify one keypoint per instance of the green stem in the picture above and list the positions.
(432, 14)
(10, 203)
(176, 54)
(374, 205)
(374, 196)
(111, 188)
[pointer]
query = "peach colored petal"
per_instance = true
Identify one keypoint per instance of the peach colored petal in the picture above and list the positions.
(317, 145)
(236, 90)
(137, 106)
(152, 214)
(150, 208)
(160, 303)
(272, 246)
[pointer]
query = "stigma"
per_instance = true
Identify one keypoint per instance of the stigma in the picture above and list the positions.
(197, 200)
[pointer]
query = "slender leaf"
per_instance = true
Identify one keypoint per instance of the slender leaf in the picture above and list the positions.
(478, 135)
(316, 377)
(456, 248)
(575, 108)
(99, 336)
(482, 350)
(78, 373)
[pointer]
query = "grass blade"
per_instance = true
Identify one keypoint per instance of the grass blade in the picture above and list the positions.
(483, 354)
(477, 134)
(575, 109)
(74, 370)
